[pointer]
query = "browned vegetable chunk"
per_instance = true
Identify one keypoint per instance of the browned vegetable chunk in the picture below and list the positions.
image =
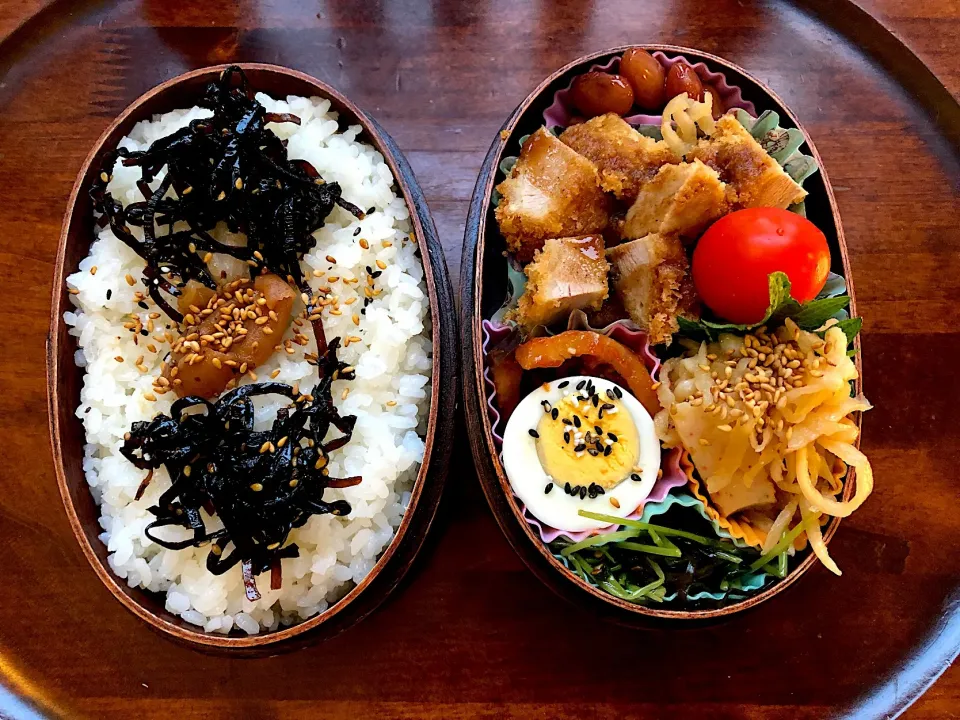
(625, 158)
(567, 274)
(651, 276)
(506, 374)
(754, 178)
(232, 333)
(552, 191)
(682, 199)
(553, 351)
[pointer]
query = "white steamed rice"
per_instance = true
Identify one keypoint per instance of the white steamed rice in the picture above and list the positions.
(392, 359)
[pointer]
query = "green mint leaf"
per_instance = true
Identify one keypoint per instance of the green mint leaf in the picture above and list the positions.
(780, 301)
(851, 327)
(815, 313)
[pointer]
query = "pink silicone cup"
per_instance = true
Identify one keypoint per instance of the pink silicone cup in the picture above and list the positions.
(622, 331)
(560, 113)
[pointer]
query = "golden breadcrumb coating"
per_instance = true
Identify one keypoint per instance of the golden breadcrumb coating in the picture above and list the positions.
(625, 159)
(567, 274)
(681, 200)
(552, 192)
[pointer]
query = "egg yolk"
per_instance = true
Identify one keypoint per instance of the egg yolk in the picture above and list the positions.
(583, 443)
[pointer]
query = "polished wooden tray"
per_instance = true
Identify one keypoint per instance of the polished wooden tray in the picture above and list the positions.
(471, 632)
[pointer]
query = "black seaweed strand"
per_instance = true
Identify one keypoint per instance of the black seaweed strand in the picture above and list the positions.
(261, 484)
(226, 168)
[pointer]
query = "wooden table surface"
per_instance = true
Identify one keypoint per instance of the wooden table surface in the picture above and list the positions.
(472, 633)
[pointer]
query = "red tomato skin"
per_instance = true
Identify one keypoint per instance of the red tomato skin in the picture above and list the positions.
(737, 253)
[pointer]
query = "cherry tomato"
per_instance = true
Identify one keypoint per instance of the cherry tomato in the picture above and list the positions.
(597, 93)
(737, 253)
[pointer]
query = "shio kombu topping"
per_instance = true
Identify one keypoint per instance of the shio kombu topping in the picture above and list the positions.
(229, 168)
(261, 484)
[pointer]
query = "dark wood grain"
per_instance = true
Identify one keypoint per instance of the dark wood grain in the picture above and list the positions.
(471, 632)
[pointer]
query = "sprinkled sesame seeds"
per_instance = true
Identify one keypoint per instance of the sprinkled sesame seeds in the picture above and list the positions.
(533, 433)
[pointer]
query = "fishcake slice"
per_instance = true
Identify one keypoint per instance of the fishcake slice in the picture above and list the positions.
(755, 179)
(567, 274)
(651, 277)
(552, 192)
(625, 159)
(681, 200)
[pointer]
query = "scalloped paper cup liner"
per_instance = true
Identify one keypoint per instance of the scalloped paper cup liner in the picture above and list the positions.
(559, 113)
(737, 530)
(624, 332)
(748, 583)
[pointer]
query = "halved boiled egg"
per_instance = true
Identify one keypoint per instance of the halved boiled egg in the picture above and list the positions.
(580, 443)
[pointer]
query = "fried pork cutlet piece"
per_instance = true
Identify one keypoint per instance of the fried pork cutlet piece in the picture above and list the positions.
(568, 274)
(552, 192)
(626, 159)
(651, 277)
(754, 178)
(681, 200)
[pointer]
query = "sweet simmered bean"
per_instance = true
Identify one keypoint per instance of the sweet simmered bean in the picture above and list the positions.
(681, 78)
(597, 93)
(646, 76)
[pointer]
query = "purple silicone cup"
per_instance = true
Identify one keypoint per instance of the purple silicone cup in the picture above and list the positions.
(560, 113)
(622, 331)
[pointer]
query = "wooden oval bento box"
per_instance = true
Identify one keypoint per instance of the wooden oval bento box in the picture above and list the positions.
(484, 285)
(64, 378)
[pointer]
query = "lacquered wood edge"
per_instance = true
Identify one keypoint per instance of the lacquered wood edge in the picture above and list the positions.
(899, 689)
(896, 57)
(443, 394)
(496, 485)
